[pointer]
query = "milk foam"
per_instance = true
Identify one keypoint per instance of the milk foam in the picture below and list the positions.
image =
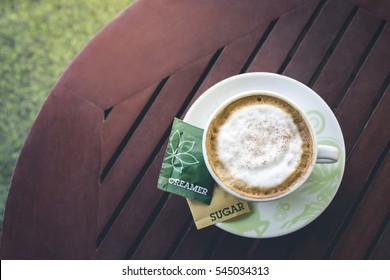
(260, 144)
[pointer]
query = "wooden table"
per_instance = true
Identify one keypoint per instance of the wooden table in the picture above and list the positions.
(85, 183)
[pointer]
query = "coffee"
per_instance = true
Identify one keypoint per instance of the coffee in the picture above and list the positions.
(259, 146)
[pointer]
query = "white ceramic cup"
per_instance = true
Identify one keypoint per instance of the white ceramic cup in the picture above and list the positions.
(322, 153)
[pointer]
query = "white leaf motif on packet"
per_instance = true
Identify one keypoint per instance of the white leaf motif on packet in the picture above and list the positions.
(183, 157)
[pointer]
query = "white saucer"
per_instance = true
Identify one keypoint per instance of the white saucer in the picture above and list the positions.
(288, 214)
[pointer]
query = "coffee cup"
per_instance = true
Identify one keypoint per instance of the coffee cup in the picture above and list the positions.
(261, 146)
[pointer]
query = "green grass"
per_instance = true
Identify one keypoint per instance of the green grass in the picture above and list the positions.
(38, 39)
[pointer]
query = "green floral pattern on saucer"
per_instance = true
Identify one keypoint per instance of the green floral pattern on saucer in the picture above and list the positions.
(322, 184)
(281, 212)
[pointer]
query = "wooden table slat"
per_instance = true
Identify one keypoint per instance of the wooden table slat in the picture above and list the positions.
(120, 120)
(121, 235)
(380, 8)
(352, 50)
(282, 38)
(364, 90)
(197, 243)
(237, 249)
(381, 251)
(318, 40)
(277, 248)
(368, 217)
(361, 160)
(133, 157)
(232, 59)
(157, 242)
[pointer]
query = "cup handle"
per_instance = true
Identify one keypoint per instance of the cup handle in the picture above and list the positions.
(327, 154)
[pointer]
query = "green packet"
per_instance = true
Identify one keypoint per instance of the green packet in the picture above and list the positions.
(183, 170)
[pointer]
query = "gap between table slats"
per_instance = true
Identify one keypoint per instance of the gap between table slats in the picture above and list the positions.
(346, 244)
(227, 60)
(353, 49)
(358, 66)
(131, 131)
(301, 36)
(381, 99)
(138, 151)
(120, 119)
(332, 47)
(380, 247)
(315, 43)
(153, 155)
(359, 164)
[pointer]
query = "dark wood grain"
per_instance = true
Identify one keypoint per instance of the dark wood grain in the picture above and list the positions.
(277, 248)
(232, 247)
(318, 40)
(120, 120)
(318, 45)
(139, 209)
(231, 60)
(380, 8)
(196, 244)
(174, 216)
(381, 250)
(285, 33)
(361, 160)
(367, 219)
(137, 150)
(352, 50)
(363, 92)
